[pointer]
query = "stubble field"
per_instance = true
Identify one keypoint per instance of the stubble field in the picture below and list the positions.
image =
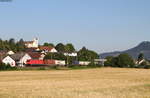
(88, 83)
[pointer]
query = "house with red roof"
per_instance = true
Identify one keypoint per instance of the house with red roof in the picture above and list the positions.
(36, 55)
(46, 49)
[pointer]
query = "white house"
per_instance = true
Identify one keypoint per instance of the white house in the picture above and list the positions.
(84, 62)
(46, 49)
(60, 62)
(36, 55)
(24, 59)
(70, 54)
(21, 58)
(140, 62)
(32, 44)
(9, 60)
(53, 50)
(10, 53)
(100, 61)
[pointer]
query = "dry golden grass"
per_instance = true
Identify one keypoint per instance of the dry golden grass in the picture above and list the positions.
(89, 83)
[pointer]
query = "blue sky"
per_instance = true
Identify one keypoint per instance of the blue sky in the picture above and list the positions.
(100, 25)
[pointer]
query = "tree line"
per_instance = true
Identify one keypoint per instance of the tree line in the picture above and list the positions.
(124, 60)
(11, 44)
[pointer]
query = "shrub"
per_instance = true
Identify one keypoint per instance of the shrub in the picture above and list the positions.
(6, 67)
(147, 66)
(42, 68)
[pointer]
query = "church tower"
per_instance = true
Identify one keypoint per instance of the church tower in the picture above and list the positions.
(35, 42)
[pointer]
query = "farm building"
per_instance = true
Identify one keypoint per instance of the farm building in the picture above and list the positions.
(46, 49)
(71, 54)
(9, 60)
(82, 62)
(60, 62)
(21, 58)
(36, 55)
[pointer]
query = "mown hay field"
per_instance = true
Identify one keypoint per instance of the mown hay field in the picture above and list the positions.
(88, 83)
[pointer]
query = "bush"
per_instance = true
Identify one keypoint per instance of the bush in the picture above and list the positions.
(6, 67)
(42, 68)
(147, 66)
(123, 60)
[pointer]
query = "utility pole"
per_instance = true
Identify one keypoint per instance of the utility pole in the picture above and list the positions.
(67, 60)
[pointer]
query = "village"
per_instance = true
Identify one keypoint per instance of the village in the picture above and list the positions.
(34, 55)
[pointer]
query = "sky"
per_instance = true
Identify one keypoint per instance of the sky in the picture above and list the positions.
(100, 25)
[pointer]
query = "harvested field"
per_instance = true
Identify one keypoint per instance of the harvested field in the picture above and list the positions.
(88, 83)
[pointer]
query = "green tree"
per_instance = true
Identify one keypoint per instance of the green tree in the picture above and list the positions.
(60, 47)
(48, 44)
(140, 57)
(20, 45)
(124, 60)
(87, 55)
(12, 44)
(12, 41)
(69, 48)
(109, 61)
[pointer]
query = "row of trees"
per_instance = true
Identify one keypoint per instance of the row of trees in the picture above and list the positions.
(123, 60)
(16, 46)
(60, 47)
(11, 44)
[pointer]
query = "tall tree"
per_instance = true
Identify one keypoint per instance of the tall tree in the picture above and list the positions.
(125, 60)
(140, 57)
(12, 41)
(12, 44)
(69, 48)
(87, 55)
(49, 44)
(20, 45)
(60, 47)
(109, 61)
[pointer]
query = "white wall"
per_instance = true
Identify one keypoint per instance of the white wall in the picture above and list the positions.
(70, 54)
(53, 50)
(42, 57)
(9, 60)
(60, 62)
(33, 45)
(24, 59)
(84, 62)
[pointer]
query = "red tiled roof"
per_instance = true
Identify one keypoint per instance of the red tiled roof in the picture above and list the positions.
(30, 49)
(45, 48)
(35, 55)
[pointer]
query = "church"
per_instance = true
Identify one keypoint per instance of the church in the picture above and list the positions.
(32, 44)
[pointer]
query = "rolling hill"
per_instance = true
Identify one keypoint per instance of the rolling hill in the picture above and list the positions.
(143, 47)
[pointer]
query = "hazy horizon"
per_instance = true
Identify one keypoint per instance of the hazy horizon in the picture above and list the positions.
(100, 25)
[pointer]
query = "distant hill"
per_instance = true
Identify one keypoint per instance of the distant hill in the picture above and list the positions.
(143, 47)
